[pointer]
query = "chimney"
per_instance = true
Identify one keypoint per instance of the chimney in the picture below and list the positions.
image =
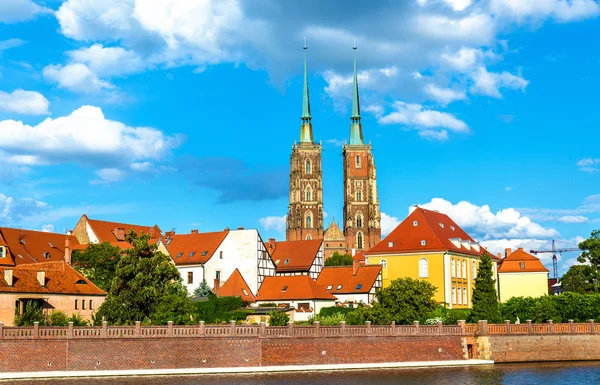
(217, 287)
(520, 248)
(507, 252)
(41, 277)
(8, 277)
(194, 231)
(68, 250)
(499, 255)
(226, 229)
(169, 234)
(355, 266)
(120, 233)
(271, 243)
(240, 228)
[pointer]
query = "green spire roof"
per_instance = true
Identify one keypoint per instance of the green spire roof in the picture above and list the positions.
(356, 136)
(306, 135)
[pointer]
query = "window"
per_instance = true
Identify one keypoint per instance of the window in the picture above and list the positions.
(192, 254)
(423, 268)
(309, 220)
(415, 223)
(47, 255)
(221, 254)
(283, 289)
(465, 296)
(286, 261)
(453, 268)
(442, 225)
(464, 269)
(204, 253)
(218, 275)
(390, 244)
(329, 287)
(91, 305)
(423, 242)
(308, 237)
(384, 269)
(359, 220)
(308, 194)
(522, 265)
(357, 160)
(359, 286)
(76, 305)
(452, 228)
(83, 304)
(339, 287)
(383, 263)
(190, 277)
(474, 270)
(304, 306)
(454, 296)
(179, 255)
(359, 196)
(308, 168)
(359, 240)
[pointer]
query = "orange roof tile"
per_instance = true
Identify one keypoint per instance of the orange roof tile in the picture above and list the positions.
(521, 262)
(343, 277)
(194, 248)
(360, 256)
(105, 231)
(236, 286)
(297, 287)
(29, 246)
(435, 228)
(295, 255)
(60, 279)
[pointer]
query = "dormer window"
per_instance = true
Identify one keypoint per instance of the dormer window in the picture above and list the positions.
(23, 241)
(339, 287)
(522, 265)
(359, 286)
(286, 261)
(390, 244)
(423, 242)
(415, 223)
(81, 282)
(329, 287)
(168, 241)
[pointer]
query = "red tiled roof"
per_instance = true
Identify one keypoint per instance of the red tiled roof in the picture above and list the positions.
(296, 287)
(512, 263)
(331, 277)
(236, 286)
(105, 231)
(29, 246)
(298, 254)
(202, 245)
(435, 228)
(360, 256)
(60, 279)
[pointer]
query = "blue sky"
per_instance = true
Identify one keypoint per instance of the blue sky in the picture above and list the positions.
(183, 113)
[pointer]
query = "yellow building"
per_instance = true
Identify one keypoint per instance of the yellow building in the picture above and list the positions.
(429, 245)
(521, 275)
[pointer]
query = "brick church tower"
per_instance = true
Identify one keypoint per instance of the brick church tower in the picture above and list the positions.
(362, 219)
(305, 213)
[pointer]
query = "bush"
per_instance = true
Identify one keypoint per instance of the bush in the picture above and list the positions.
(219, 309)
(59, 318)
(32, 313)
(329, 311)
(455, 315)
(329, 320)
(278, 318)
(78, 320)
(267, 304)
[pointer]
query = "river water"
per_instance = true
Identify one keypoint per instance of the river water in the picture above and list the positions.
(571, 373)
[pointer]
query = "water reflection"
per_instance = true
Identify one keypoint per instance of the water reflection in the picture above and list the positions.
(572, 373)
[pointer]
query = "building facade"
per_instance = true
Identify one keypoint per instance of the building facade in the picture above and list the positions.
(293, 258)
(520, 274)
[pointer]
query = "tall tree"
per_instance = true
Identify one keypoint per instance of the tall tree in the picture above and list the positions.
(338, 259)
(144, 280)
(581, 279)
(98, 263)
(405, 300)
(485, 297)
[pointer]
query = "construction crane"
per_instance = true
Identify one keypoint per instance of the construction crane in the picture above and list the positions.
(554, 250)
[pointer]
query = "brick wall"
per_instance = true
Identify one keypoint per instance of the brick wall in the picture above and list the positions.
(527, 348)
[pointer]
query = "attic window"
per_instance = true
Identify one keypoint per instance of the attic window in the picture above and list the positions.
(283, 289)
(286, 261)
(359, 286)
(390, 244)
(442, 225)
(23, 241)
(244, 291)
(46, 255)
(415, 223)
(452, 228)
(522, 265)
(423, 242)
(329, 287)
(339, 287)
(168, 241)
(179, 255)
(204, 253)
(192, 254)
(81, 282)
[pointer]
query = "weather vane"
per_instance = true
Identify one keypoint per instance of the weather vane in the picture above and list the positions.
(305, 47)
(354, 47)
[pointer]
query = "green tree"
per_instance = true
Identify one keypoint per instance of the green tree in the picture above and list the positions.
(98, 263)
(485, 297)
(405, 300)
(144, 278)
(338, 259)
(58, 318)
(32, 312)
(582, 279)
(203, 290)
(591, 249)
(278, 318)
(175, 306)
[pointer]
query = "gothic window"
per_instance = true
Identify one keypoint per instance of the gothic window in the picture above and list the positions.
(308, 237)
(423, 268)
(357, 161)
(359, 240)
(359, 196)
(308, 168)
(309, 220)
(308, 194)
(359, 220)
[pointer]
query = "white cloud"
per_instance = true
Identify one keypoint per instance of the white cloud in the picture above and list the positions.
(424, 120)
(590, 204)
(76, 77)
(274, 223)
(108, 176)
(24, 102)
(388, 224)
(561, 10)
(108, 61)
(84, 136)
(13, 11)
(339, 86)
(467, 58)
(573, 219)
(444, 96)
(489, 83)
(476, 28)
(586, 164)
(48, 228)
(12, 209)
(10, 43)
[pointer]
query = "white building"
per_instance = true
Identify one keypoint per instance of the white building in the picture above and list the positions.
(215, 256)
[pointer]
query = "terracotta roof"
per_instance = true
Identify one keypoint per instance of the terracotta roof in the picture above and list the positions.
(194, 248)
(333, 232)
(436, 229)
(236, 286)
(297, 287)
(60, 278)
(360, 256)
(521, 262)
(343, 277)
(106, 231)
(29, 246)
(295, 255)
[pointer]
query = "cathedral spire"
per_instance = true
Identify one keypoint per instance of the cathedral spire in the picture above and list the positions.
(356, 136)
(306, 135)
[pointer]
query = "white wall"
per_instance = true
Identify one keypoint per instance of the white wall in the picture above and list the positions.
(90, 233)
(353, 297)
(316, 305)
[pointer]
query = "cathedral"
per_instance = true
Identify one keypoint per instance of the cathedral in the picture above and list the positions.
(362, 219)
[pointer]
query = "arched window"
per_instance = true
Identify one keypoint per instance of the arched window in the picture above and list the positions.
(308, 194)
(383, 264)
(359, 196)
(453, 268)
(309, 220)
(359, 240)
(423, 268)
(464, 269)
(308, 168)
(308, 237)
(357, 161)
(359, 220)
(474, 270)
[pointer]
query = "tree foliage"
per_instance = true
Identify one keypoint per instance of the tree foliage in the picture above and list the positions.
(485, 297)
(406, 300)
(98, 263)
(203, 290)
(582, 279)
(144, 279)
(338, 259)
(220, 309)
(278, 318)
(32, 312)
(559, 308)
